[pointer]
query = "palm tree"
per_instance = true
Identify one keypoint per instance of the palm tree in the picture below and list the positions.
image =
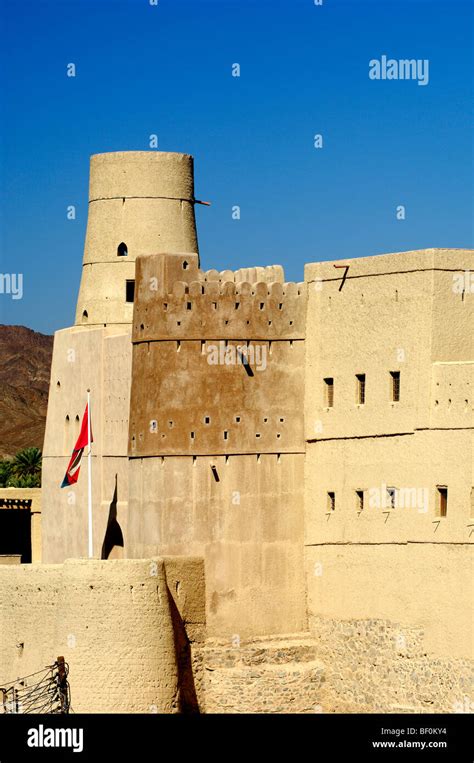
(26, 466)
(5, 471)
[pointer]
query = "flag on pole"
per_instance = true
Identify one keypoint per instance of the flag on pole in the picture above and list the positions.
(72, 471)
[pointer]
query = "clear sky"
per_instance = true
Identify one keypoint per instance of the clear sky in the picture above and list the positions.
(166, 69)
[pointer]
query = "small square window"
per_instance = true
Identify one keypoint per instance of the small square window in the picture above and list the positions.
(442, 501)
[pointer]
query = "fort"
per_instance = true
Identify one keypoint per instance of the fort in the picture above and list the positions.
(240, 563)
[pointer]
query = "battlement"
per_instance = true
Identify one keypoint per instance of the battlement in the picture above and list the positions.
(267, 274)
(215, 305)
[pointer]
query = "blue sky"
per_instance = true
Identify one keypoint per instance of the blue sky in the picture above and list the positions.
(166, 69)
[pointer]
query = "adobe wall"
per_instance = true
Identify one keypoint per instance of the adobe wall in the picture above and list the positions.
(393, 626)
(248, 527)
(116, 623)
(380, 575)
(216, 445)
(98, 359)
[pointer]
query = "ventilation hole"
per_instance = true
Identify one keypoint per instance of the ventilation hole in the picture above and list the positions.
(207, 419)
(193, 435)
(269, 323)
(178, 323)
(214, 305)
(262, 305)
(58, 384)
(237, 305)
(226, 435)
(258, 434)
(85, 316)
(265, 420)
(77, 417)
(278, 435)
(67, 417)
(165, 306)
(122, 250)
(237, 419)
(226, 322)
(280, 306)
(189, 305)
(142, 327)
(282, 420)
(170, 424)
(291, 323)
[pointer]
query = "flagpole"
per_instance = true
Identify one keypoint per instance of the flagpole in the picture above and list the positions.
(89, 473)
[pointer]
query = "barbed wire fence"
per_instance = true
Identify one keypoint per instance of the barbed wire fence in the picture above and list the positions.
(46, 691)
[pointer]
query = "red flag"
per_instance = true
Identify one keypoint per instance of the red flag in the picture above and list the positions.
(72, 471)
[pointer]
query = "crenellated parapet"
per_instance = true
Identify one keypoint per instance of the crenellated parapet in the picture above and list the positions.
(213, 306)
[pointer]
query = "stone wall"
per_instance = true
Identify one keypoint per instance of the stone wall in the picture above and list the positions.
(280, 674)
(378, 666)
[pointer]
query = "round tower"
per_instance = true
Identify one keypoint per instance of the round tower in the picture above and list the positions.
(140, 202)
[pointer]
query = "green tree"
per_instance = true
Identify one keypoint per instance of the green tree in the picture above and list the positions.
(5, 471)
(26, 468)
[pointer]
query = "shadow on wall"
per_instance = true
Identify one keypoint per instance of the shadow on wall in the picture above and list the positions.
(187, 698)
(112, 547)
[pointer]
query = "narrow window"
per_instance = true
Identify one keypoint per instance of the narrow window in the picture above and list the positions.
(395, 386)
(331, 501)
(122, 250)
(329, 392)
(391, 497)
(359, 500)
(442, 502)
(129, 291)
(360, 378)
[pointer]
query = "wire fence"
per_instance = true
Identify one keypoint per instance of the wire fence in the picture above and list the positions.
(46, 691)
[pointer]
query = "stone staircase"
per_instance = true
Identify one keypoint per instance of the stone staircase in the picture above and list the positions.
(279, 674)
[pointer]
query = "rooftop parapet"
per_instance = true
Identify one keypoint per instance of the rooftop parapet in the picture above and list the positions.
(212, 308)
